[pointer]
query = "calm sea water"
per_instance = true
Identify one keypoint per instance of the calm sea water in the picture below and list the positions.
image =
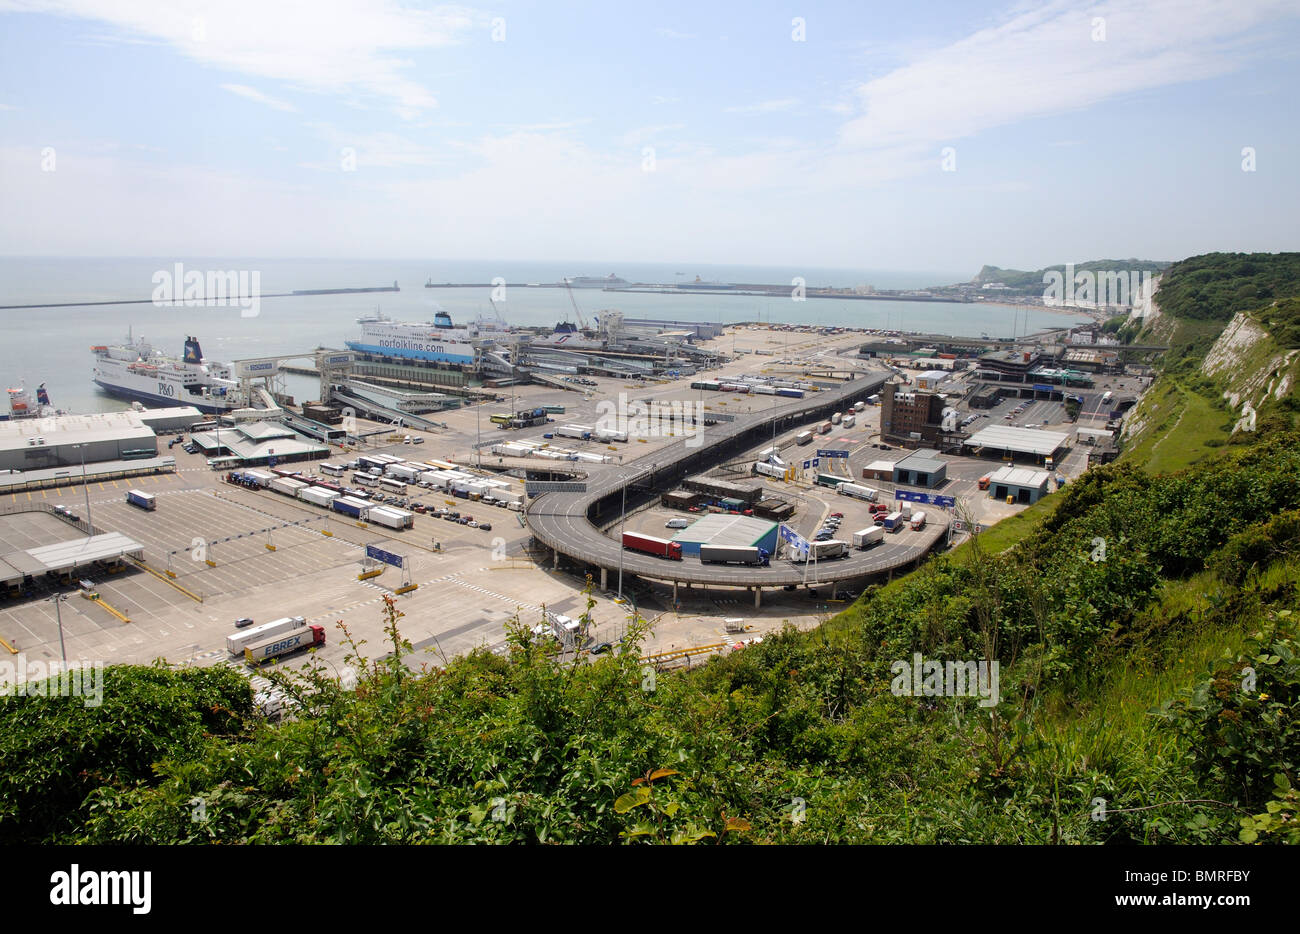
(52, 345)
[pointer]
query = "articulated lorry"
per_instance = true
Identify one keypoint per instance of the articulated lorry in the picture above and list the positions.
(236, 642)
(287, 643)
(659, 547)
(142, 499)
(823, 551)
(865, 538)
(734, 554)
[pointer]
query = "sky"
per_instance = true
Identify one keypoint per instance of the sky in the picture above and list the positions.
(916, 135)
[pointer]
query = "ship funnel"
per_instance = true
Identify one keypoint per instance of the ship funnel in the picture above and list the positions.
(193, 354)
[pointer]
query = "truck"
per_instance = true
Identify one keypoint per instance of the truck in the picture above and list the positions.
(803, 437)
(317, 496)
(406, 472)
(859, 406)
(836, 418)
(790, 393)
(391, 518)
(1105, 396)
(734, 554)
(659, 547)
(918, 520)
(824, 428)
(857, 491)
(894, 522)
(850, 421)
(823, 551)
(983, 482)
(769, 470)
(142, 499)
(351, 506)
(236, 642)
(286, 485)
(871, 535)
(573, 431)
(610, 434)
(286, 644)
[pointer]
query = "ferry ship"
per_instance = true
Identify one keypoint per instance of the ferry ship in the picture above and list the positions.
(597, 282)
(135, 370)
(436, 341)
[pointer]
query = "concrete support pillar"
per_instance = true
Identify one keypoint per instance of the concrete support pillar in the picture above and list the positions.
(604, 578)
(555, 558)
(675, 592)
(758, 597)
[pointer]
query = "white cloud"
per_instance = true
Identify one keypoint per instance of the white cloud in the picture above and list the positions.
(674, 34)
(648, 133)
(332, 46)
(1042, 60)
(766, 107)
(253, 94)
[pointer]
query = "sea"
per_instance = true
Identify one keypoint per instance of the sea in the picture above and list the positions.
(52, 345)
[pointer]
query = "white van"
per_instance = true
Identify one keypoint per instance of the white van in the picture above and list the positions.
(677, 523)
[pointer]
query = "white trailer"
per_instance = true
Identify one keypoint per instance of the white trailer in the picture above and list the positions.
(317, 496)
(857, 491)
(573, 431)
(237, 641)
(803, 437)
(850, 421)
(286, 485)
(872, 535)
(407, 472)
(261, 476)
(822, 551)
(918, 520)
(769, 470)
(392, 518)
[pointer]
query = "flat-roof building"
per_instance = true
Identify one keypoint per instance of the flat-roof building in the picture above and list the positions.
(1022, 484)
(64, 440)
(1034, 443)
(259, 442)
(921, 468)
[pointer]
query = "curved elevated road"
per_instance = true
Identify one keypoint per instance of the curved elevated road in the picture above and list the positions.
(565, 522)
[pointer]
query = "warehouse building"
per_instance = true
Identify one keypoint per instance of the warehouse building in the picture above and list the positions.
(67, 440)
(1021, 484)
(879, 470)
(921, 468)
(169, 421)
(930, 379)
(722, 529)
(1032, 443)
(259, 443)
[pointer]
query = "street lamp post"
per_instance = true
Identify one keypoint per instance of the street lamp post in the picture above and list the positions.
(85, 488)
(59, 598)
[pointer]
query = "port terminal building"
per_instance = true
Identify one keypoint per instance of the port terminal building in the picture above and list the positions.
(921, 468)
(1033, 444)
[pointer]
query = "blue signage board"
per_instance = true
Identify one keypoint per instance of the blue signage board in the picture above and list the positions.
(823, 453)
(912, 497)
(387, 557)
(807, 464)
(1042, 387)
(793, 538)
(946, 502)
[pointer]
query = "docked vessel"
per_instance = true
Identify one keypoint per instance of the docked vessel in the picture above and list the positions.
(135, 370)
(22, 406)
(436, 341)
(597, 282)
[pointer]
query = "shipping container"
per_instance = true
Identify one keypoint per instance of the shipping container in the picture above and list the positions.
(406, 472)
(790, 392)
(659, 547)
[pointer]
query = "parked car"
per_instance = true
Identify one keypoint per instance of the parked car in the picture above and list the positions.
(243, 621)
(485, 526)
(837, 515)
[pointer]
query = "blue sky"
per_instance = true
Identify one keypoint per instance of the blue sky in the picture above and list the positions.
(650, 132)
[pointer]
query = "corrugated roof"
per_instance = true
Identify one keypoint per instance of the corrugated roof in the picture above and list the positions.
(723, 529)
(1021, 440)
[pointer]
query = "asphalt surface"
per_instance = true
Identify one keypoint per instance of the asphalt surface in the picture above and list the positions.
(560, 520)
